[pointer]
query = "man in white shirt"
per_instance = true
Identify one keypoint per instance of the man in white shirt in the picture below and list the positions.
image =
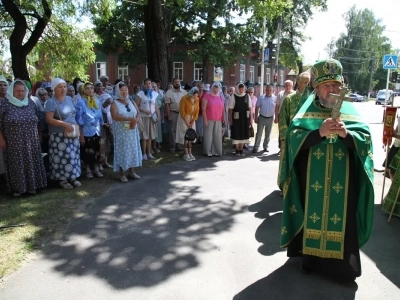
(172, 99)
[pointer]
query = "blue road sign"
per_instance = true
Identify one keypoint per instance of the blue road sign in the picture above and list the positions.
(266, 55)
(389, 61)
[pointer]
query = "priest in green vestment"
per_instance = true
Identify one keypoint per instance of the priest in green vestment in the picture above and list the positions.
(289, 108)
(328, 204)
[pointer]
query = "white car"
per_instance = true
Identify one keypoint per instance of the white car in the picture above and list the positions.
(357, 97)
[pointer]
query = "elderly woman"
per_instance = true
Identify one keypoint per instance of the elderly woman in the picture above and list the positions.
(188, 114)
(146, 100)
(64, 152)
(90, 117)
(20, 141)
(127, 153)
(212, 107)
(240, 118)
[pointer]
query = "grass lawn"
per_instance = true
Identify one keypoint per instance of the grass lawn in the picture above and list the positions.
(27, 221)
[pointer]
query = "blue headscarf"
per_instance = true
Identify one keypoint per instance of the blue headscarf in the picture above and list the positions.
(148, 92)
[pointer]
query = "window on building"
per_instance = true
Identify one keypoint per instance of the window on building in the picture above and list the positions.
(100, 69)
(178, 70)
(280, 77)
(259, 79)
(218, 73)
(242, 72)
(251, 74)
(198, 72)
(268, 76)
(122, 72)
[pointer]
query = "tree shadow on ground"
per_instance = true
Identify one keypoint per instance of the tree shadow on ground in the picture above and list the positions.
(268, 233)
(144, 234)
(384, 244)
(287, 282)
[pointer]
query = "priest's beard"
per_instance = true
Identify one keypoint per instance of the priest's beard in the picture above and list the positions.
(326, 103)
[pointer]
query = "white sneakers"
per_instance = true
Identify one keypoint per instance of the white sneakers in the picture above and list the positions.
(148, 156)
(189, 157)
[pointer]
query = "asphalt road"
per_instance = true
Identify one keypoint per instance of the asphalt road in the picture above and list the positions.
(207, 229)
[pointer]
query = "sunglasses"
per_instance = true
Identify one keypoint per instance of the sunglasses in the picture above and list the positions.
(127, 108)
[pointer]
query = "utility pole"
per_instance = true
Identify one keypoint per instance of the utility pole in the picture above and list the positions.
(263, 58)
(371, 70)
(277, 54)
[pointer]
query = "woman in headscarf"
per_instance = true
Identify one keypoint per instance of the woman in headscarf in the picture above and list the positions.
(20, 134)
(91, 120)
(64, 152)
(212, 107)
(127, 152)
(240, 118)
(188, 114)
(146, 100)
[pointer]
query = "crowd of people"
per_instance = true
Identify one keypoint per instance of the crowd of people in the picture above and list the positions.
(72, 129)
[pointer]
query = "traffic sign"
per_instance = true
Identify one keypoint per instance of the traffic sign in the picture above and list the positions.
(389, 62)
(266, 55)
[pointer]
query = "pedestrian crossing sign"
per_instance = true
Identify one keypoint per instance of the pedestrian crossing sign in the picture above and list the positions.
(390, 61)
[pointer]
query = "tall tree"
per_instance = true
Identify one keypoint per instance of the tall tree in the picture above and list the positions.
(362, 42)
(25, 21)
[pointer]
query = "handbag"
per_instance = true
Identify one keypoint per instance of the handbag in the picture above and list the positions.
(140, 125)
(154, 117)
(190, 134)
(251, 131)
(73, 134)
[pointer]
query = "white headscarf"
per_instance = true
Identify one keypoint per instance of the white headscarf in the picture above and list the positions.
(55, 82)
(117, 94)
(3, 79)
(237, 88)
(15, 101)
(216, 84)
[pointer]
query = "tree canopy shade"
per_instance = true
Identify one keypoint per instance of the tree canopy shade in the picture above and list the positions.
(24, 22)
(361, 48)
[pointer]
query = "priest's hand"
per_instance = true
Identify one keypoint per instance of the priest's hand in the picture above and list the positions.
(340, 128)
(327, 127)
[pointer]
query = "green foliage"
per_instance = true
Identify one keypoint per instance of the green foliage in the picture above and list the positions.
(65, 51)
(361, 48)
(56, 37)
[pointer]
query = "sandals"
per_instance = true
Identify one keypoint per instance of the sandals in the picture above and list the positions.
(98, 174)
(65, 185)
(89, 175)
(75, 183)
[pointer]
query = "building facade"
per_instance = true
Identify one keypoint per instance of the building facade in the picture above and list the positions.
(244, 70)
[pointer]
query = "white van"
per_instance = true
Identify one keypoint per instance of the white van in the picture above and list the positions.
(381, 95)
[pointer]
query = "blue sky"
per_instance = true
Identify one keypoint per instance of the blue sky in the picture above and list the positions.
(327, 25)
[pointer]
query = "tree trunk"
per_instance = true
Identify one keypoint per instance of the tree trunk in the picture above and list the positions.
(156, 33)
(300, 65)
(19, 50)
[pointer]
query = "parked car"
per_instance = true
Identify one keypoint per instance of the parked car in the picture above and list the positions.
(380, 97)
(357, 97)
